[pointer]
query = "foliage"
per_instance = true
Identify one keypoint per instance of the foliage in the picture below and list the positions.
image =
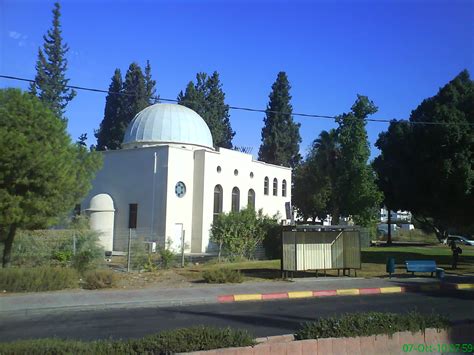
(272, 238)
(167, 256)
(40, 247)
(89, 253)
(207, 98)
(50, 81)
(427, 169)
(43, 278)
(150, 85)
(139, 254)
(110, 133)
(222, 276)
(168, 342)
(336, 179)
(280, 134)
(42, 173)
(239, 233)
(97, 279)
(371, 323)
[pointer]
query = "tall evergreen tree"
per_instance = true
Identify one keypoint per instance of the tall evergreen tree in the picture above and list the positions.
(50, 81)
(280, 134)
(109, 135)
(356, 191)
(207, 98)
(133, 100)
(150, 85)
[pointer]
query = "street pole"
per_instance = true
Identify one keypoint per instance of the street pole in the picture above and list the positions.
(129, 248)
(182, 248)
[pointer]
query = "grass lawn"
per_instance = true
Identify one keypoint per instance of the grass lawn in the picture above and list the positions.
(374, 260)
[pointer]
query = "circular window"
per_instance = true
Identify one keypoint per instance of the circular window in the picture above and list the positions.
(236, 172)
(251, 175)
(219, 169)
(180, 189)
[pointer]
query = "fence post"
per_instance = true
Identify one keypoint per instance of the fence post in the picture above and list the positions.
(182, 248)
(129, 248)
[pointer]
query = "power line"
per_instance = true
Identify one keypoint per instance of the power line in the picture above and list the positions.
(379, 120)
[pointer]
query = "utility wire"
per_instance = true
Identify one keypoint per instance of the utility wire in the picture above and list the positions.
(379, 120)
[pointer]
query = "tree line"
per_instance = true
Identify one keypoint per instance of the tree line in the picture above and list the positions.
(425, 165)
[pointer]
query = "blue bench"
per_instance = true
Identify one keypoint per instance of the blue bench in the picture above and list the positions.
(421, 266)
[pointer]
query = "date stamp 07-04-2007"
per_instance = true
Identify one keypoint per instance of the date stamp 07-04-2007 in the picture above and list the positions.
(438, 348)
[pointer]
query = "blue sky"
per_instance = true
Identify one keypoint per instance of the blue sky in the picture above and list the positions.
(395, 52)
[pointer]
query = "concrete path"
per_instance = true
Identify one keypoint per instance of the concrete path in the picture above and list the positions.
(19, 303)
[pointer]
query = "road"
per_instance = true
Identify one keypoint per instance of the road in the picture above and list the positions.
(260, 318)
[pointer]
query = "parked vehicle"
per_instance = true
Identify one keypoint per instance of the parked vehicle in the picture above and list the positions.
(459, 240)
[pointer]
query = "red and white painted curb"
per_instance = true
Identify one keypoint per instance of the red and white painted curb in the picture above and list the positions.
(344, 292)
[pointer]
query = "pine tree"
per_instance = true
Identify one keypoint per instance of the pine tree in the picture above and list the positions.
(280, 134)
(207, 98)
(218, 113)
(133, 100)
(109, 135)
(150, 85)
(50, 81)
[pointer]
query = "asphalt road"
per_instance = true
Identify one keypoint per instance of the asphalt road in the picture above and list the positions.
(260, 318)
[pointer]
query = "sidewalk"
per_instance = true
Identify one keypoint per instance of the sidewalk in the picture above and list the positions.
(28, 303)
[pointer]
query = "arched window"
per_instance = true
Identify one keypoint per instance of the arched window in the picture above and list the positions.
(251, 199)
(217, 201)
(275, 187)
(283, 188)
(265, 185)
(235, 200)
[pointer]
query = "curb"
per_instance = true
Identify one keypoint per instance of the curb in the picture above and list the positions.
(344, 292)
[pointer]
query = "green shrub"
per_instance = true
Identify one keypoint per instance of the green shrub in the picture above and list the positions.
(239, 233)
(167, 257)
(89, 253)
(138, 254)
(272, 239)
(169, 342)
(372, 323)
(42, 278)
(222, 275)
(96, 279)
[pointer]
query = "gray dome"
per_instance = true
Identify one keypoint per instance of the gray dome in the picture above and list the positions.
(167, 123)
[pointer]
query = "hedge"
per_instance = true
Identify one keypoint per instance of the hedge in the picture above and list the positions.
(168, 342)
(372, 323)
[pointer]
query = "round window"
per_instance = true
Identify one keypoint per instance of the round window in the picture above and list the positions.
(236, 172)
(180, 189)
(219, 169)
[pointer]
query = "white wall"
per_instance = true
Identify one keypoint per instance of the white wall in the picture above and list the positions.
(127, 176)
(230, 160)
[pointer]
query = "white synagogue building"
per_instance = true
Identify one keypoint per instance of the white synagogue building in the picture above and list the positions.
(168, 180)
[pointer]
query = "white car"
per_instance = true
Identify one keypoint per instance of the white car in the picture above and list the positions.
(459, 240)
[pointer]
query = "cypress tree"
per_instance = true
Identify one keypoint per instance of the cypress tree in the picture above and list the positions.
(133, 100)
(218, 113)
(207, 98)
(150, 85)
(50, 80)
(109, 136)
(280, 134)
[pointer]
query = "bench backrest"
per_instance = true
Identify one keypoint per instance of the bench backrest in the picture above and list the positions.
(420, 265)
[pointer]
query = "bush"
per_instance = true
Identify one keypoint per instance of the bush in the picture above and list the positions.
(89, 254)
(169, 342)
(222, 276)
(38, 279)
(272, 239)
(96, 279)
(239, 233)
(372, 323)
(167, 258)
